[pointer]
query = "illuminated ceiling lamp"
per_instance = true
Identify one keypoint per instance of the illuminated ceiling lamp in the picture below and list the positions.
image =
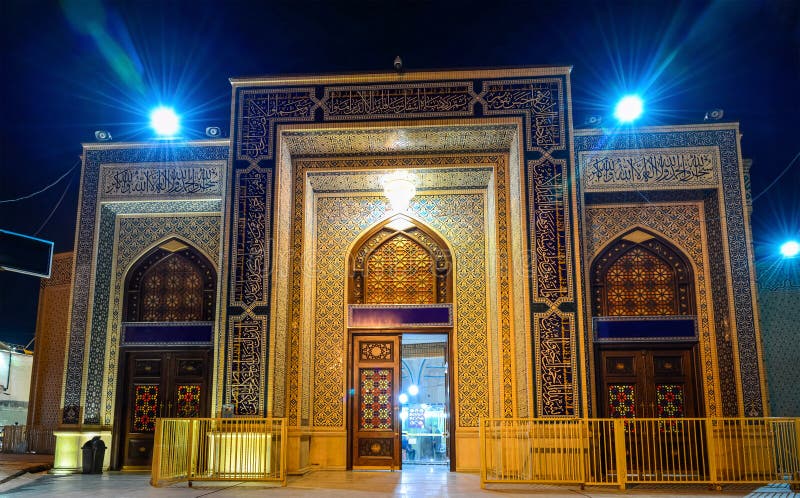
(399, 188)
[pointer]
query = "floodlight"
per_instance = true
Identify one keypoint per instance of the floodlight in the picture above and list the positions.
(629, 108)
(165, 122)
(790, 249)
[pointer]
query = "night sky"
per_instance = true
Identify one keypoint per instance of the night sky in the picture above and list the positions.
(73, 67)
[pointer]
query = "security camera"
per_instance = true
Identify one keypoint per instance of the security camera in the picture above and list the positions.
(398, 64)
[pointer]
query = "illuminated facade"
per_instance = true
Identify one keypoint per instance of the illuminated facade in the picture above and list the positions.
(539, 271)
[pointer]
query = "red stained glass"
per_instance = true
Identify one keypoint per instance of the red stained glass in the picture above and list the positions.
(145, 407)
(188, 401)
(376, 410)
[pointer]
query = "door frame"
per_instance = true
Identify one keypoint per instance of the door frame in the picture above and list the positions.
(350, 404)
(118, 428)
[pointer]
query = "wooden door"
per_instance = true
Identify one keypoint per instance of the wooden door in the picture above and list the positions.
(160, 384)
(654, 384)
(375, 425)
(647, 383)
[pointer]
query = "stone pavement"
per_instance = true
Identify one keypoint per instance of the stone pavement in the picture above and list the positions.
(418, 482)
(17, 470)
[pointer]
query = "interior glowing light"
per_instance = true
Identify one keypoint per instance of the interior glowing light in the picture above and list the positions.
(629, 108)
(403, 398)
(399, 188)
(165, 122)
(790, 249)
(413, 390)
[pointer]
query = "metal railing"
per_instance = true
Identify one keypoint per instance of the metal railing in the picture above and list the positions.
(219, 449)
(713, 451)
(28, 439)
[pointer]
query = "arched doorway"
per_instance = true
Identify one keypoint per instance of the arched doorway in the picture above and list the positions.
(169, 301)
(400, 283)
(643, 309)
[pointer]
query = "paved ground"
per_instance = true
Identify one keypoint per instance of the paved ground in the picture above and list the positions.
(15, 470)
(419, 482)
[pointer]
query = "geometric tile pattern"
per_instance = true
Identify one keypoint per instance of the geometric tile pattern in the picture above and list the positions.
(133, 235)
(400, 271)
(340, 220)
(734, 224)
(87, 254)
(680, 223)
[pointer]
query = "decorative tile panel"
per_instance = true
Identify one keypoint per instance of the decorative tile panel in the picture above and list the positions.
(681, 223)
(88, 255)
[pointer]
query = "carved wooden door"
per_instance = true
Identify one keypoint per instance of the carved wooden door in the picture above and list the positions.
(375, 421)
(160, 384)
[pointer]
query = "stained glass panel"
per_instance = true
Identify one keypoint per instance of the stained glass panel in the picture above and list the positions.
(622, 400)
(669, 399)
(400, 271)
(376, 410)
(188, 401)
(640, 283)
(145, 406)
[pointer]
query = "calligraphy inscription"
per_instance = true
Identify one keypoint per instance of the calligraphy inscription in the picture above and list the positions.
(409, 101)
(547, 186)
(538, 99)
(659, 168)
(143, 180)
(555, 356)
(258, 110)
(252, 227)
(245, 367)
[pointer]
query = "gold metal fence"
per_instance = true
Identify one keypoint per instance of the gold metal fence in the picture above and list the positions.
(219, 449)
(713, 451)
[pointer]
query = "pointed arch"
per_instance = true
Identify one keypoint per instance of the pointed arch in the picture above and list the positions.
(641, 274)
(400, 261)
(172, 282)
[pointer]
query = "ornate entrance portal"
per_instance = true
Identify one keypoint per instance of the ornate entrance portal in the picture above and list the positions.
(400, 277)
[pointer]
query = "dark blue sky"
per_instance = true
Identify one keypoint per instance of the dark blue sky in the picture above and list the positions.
(72, 67)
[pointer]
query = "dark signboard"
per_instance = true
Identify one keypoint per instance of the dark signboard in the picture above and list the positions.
(25, 254)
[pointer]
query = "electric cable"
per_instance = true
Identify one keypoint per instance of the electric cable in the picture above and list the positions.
(4, 201)
(69, 184)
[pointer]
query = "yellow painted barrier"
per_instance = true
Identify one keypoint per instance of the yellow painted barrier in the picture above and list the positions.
(712, 451)
(219, 449)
